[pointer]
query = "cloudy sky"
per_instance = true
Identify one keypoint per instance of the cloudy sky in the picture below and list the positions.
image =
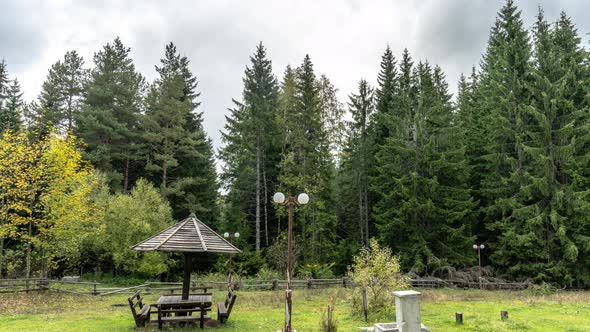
(345, 39)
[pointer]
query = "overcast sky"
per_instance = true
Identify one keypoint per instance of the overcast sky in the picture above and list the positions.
(345, 39)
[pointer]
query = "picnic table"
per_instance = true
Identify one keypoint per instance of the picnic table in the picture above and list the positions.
(172, 308)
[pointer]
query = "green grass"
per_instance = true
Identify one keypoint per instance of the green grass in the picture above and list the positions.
(263, 311)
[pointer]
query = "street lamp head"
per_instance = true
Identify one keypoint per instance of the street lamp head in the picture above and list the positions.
(481, 246)
(226, 235)
(278, 198)
(237, 235)
(475, 246)
(303, 199)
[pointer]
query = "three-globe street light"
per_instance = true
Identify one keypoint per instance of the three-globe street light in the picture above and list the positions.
(230, 237)
(291, 202)
(479, 248)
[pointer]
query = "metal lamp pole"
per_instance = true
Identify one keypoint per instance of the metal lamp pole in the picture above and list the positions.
(479, 248)
(291, 202)
(230, 237)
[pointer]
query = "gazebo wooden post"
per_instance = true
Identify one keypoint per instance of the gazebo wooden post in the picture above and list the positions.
(188, 268)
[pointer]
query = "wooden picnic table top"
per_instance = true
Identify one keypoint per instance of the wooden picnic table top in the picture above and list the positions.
(193, 300)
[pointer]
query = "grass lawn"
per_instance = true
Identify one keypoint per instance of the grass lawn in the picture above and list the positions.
(263, 311)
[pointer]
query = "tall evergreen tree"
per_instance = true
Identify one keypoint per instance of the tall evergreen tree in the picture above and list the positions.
(61, 92)
(251, 141)
(422, 174)
(385, 92)
(541, 238)
(193, 181)
(361, 107)
(109, 119)
(504, 98)
(10, 101)
(332, 116)
(11, 116)
(307, 164)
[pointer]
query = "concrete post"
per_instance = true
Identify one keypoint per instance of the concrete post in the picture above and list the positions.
(407, 310)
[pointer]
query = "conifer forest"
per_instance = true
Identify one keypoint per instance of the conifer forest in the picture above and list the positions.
(104, 158)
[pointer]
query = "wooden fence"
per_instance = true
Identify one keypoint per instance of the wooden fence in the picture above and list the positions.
(94, 289)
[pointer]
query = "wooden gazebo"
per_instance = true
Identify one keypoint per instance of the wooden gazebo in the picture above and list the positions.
(189, 236)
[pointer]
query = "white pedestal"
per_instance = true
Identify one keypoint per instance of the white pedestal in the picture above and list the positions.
(407, 310)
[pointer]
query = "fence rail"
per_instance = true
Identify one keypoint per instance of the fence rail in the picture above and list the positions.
(92, 288)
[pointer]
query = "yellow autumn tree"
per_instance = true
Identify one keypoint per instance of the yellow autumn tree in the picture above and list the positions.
(45, 195)
(70, 212)
(20, 182)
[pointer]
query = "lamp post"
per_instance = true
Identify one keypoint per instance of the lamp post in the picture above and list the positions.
(230, 237)
(291, 202)
(479, 248)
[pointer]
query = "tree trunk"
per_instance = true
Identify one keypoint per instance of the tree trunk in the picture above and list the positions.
(265, 203)
(361, 223)
(366, 214)
(126, 175)
(28, 271)
(70, 115)
(258, 193)
(1, 254)
(164, 178)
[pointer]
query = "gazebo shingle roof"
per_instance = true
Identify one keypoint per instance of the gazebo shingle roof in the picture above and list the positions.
(189, 235)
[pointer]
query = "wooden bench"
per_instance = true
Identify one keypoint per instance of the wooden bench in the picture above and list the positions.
(165, 315)
(143, 315)
(224, 308)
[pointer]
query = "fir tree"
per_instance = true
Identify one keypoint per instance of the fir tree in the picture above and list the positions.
(307, 164)
(504, 98)
(385, 94)
(361, 107)
(62, 91)
(109, 119)
(10, 101)
(11, 114)
(422, 175)
(251, 141)
(193, 186)
(332, 115)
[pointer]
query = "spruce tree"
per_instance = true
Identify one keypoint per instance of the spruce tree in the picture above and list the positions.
(10, 101)
(62, 90)
(251, 138)
(542, 240)
(307, 164)
(361, 107)
(385, 95)
(422, 174)
(193, 186)
(504, 98)
(11, 114)
(110, 114)
(332, 116)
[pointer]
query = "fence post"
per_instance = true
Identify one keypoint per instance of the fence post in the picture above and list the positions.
(504, 315)
(330, 318)
(365, 307)
(309, 283)
(275, 284)
(459, 317)
(94, 292)
(344, 282)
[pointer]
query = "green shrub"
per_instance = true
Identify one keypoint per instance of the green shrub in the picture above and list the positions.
(266, 273)
(378, 271)
(542, 289)
(316, 271)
